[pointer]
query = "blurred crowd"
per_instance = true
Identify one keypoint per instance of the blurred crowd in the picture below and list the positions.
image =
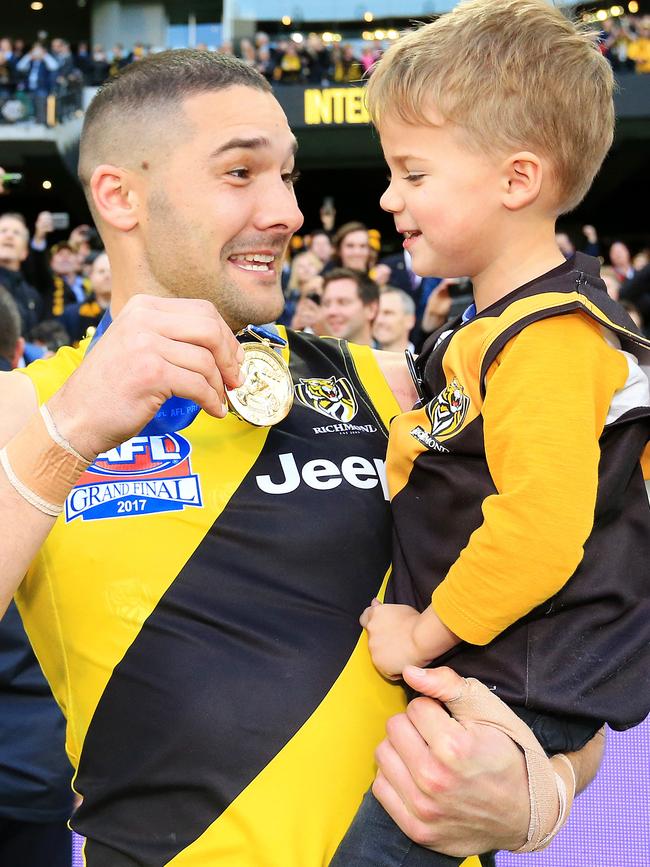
(46, 67)
(335, 281)
(54, 67)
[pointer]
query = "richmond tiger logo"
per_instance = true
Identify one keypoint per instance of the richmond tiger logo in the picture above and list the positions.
(331, 397)
(446, 412)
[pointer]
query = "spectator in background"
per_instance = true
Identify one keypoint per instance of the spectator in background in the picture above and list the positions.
(67, 74)
(304, 267)
(350, 301)
(45, 339)
(119, 59)
(621, 261)
(289, 68)
(590, 245)
(57, 274)
(352, 248)
(320, 244)
(12, 344)
(247, 52)
(265, 63)
(639, 49)
(7, 79)
(78, 317)
(634, 294)
(7, 50)
(14, 241)
(39, 72)
(347, 66)
(99, 66)
(394, 321)
(316, 61)
(82, 59)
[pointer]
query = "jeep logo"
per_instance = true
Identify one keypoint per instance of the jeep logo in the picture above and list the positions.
(324, 475)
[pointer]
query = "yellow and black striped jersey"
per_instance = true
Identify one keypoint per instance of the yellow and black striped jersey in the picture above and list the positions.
(195, 610)
(519, 503)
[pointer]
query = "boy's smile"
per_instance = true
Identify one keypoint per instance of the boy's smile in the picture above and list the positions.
(444, 197)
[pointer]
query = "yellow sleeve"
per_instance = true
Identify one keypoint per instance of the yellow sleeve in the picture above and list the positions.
(548, 394)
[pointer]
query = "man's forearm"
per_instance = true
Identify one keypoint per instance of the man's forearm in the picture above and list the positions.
(24, 529)
(586, 761)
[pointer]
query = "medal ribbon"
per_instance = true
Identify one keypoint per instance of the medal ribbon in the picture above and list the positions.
(177, 413)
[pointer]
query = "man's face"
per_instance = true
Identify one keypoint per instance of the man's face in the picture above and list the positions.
(354, 251)
(65, 262)
(14, 238)
(321, 246)
(220, 207)
(344, 313)
(445, 198)
(392, 324)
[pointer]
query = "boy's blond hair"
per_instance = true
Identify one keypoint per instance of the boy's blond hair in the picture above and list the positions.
(512, 74)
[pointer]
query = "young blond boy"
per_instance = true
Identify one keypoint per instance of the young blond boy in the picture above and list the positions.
(521, 467)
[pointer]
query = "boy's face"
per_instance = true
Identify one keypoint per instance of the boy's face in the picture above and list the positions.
(445, 198)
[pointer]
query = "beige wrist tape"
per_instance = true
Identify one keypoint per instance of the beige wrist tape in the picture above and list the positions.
(551, 783)
(41, 465)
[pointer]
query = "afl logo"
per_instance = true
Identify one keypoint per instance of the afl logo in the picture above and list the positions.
(146, 475)
(142, 456)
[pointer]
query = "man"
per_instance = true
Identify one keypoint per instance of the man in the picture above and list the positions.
(395, 320)
(221, 703)
(35, 794)
(349, 302)
(14, 238)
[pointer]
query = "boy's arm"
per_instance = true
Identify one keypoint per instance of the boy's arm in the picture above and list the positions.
(548, 396)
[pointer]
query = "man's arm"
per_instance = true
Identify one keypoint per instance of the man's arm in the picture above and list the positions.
(459, 788)
(396, 373)
(155, 348)
(24, 528)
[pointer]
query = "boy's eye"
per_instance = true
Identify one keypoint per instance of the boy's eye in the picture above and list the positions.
(291, 177)
(413, 177)
(240, 173)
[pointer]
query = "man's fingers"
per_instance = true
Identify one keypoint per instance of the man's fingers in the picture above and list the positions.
(442, 684)
(411, 825)
(196, 359)
(364, 620)
(187, 321)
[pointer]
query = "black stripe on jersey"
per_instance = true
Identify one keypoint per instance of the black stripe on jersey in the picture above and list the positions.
(239, 652)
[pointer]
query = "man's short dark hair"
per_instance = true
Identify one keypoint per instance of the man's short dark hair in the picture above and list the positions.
(152, 89)
(367, 289)
(9, 324)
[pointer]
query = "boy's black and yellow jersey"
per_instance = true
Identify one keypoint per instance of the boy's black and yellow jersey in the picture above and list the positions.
(521, 471)
(195, 611)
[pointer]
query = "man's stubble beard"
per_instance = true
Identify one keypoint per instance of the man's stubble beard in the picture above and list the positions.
(185, 277)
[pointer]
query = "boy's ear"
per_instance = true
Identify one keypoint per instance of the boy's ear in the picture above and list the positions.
(115, 196)
(522, 180)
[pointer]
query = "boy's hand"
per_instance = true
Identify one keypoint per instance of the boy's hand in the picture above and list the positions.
(391, 637)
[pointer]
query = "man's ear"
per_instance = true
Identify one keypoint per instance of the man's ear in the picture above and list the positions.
(372, 310)
(115, 197)
(523, 173)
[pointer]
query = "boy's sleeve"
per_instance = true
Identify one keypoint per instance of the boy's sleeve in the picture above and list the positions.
(548, 395)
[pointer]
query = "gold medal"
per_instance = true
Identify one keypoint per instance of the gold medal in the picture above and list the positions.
(266, 395)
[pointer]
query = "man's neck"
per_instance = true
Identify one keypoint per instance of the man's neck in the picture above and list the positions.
(10, 264)
(400, 345)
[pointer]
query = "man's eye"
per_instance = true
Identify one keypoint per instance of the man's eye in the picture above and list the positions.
(291, 177)
(241, 173)
(413, 177)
